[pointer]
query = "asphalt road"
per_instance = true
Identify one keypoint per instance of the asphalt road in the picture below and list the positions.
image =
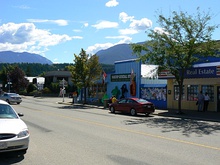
(68, 135)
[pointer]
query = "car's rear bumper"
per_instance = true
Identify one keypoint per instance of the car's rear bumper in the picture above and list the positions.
(146, 110)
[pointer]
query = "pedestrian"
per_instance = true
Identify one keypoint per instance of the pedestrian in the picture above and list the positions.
(206, 101)
(114, 99)
(200, 101)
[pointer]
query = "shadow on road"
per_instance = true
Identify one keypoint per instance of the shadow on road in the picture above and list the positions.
(186, 126)
(10, 158)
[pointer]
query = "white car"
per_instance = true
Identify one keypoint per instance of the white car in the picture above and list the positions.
(11, 98)
(14, 134)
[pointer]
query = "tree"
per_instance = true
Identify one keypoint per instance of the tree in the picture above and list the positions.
(85, 71)
(17, 77)
(3, 77)
(181, 41)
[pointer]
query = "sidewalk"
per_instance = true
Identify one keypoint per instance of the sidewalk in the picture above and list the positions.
(190, 114)
(187, 114)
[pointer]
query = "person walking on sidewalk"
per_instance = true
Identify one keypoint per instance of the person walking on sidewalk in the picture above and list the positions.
(206, 102)
(200, 101)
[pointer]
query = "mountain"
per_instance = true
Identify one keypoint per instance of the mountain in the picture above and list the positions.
(15, 57)
(115, 53)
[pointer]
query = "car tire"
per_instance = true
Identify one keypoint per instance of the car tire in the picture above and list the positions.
(18, 102)
(7, 101)
(22, 152)
(112, 109)
(133, 112)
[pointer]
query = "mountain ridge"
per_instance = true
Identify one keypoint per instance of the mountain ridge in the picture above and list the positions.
(108, 56)
(23, 57)
(115, 53)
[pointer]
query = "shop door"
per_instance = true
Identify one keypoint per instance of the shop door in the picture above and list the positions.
(218, 98)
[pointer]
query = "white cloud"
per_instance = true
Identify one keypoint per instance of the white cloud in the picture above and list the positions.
(124, 17)
(142, 24)
(77, 30)
(77, 37)
(59, 22)
(135, 25)
(86, 24)
(160, 30)
(128, 31)
(105, 24)
(112, 3)
(95, 48)
(23, 7)
(26, 37)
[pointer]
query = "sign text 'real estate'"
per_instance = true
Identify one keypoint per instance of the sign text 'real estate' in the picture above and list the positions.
(200, 72)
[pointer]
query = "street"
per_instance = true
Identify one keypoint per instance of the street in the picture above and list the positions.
(62, 134)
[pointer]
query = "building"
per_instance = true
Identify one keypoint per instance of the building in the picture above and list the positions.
(134, 79)
(39, 81)
(59, 76)
(203, 77)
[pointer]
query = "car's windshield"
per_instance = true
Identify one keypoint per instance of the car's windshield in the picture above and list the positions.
(6, 112)
(142, 101)
(13, 94)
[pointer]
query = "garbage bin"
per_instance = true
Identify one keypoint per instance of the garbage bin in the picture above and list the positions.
(106, 101)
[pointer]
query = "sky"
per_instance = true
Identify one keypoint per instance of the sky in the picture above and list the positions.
(59, 29)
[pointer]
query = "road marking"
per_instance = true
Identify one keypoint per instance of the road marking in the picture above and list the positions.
(133, 131)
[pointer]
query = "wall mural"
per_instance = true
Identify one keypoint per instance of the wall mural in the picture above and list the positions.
(116, 92)
(124, 90)
(154, 93)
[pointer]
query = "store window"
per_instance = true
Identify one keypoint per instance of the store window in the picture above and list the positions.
(177, 92)
(192, 92)
(210, 90)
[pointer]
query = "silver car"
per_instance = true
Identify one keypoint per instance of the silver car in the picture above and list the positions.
(11, 98)
(14, 134)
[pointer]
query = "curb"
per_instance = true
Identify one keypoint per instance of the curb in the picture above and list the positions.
(163, 113)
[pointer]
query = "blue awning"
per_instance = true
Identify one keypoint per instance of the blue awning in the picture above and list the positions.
(153, 85)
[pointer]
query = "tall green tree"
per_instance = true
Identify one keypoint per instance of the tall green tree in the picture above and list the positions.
(3, 77)
(181, 40)
(85, 71)
(17, 77)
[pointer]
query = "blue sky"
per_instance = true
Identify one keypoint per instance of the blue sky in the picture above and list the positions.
(59, 29)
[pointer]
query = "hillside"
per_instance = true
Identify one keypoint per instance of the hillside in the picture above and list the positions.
(108, 56)
(15, 57)
(115, 53)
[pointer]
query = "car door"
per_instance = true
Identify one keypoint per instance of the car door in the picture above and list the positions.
(121, 105)
(130, 104)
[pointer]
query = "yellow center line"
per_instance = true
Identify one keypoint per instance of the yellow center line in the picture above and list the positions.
(133, 131)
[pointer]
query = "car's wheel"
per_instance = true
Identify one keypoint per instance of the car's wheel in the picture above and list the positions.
(133, 112)
(22, 152)
(7, 101)
(112, 109)
(18, 102)
(147, 114)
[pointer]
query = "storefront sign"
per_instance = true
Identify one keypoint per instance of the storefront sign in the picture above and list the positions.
(120, 77)
(201, 72)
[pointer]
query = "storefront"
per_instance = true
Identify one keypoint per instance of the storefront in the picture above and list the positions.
(129, 81)
(203, 77)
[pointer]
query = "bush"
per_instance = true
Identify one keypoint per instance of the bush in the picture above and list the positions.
(46, 90)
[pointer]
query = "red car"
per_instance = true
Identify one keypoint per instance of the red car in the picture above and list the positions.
(132, 106)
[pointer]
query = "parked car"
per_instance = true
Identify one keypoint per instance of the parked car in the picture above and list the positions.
(11, 98)
(132, 106)
(14, 134)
